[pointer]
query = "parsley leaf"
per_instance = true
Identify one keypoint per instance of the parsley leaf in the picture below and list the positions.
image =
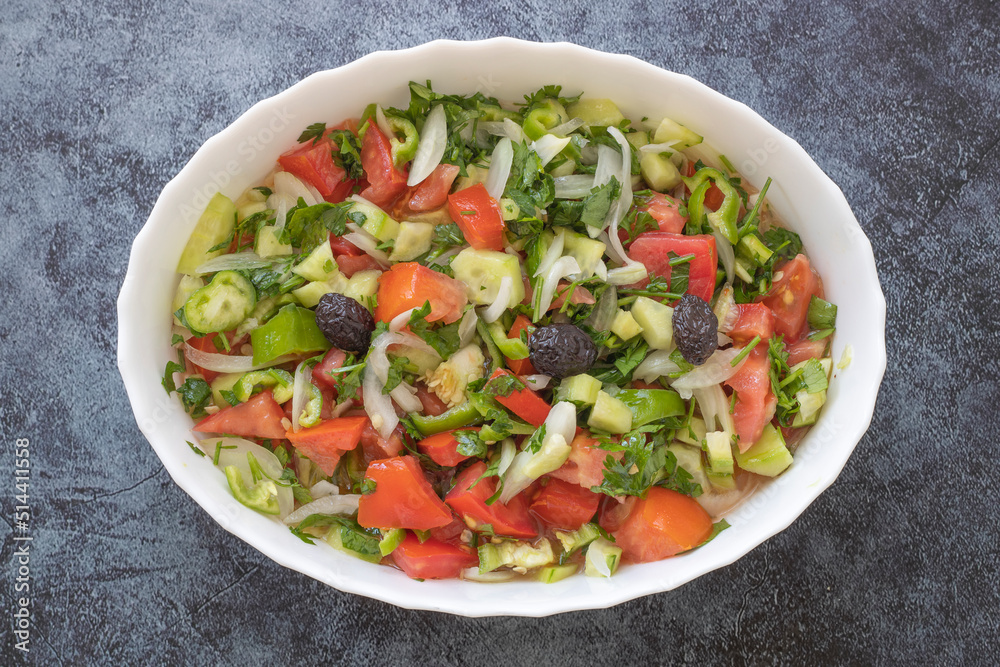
(534, 443)
(444, 340)
(504, 385)
(194, 394)
(168, 375)
(314, 132)
(470, 444)
(348, 153)
(397, 369)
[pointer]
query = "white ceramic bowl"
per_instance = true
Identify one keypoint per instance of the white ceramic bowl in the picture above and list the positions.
(245, 152)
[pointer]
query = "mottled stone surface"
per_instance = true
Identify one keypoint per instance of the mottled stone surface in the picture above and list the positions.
(101, 103)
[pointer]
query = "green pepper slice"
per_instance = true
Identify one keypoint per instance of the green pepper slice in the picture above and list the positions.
(292, 331)
(403, 150)
(313, 408)
(262, 496)
(539, 121)
(456, 417)
(512, 348)
(649, 405)
(254, 381)
(723, 220)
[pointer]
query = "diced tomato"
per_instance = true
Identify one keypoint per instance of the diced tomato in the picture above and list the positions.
(431, 405)
(341, 246)
(478, 216)
(442, 448)
(564, 505)
(324, 444)
(351, 264)
(332, 360)
(386, 182)
(433, 191)
(614, 513)
(666, 211)
(409, 285)
(652, 248)
(313, 163)
(754, 319)
(525, 403)
(578, 295)
(260, 417)
(520, 366)
(468, 499)
(805, 349)
(585, 465)
(432, 559)
(403, 498)
(714, 198)
(662, 524)
(377, 447)
(451, 533)
(755, 402)
(789, 297)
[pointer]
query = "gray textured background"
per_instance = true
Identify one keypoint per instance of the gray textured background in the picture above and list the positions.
(102, 103)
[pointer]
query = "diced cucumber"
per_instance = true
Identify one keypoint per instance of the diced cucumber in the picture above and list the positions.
(690, 459)
(187, 286)
(743, 271)
(670, 130)
(267, 243)
(637, 139)
(659, 171)
(624, 325)
(509, 210)
(755, 248)
(482, 271)
(718, 446)
(213, 227)
(768, 456)
(656, 320)
(587, 252)
(336, 540)
(596, 112)
(515, 554)
(580, 389)
(554, 573)
(603, 558)
(319, 265)
(609, 414)
(475, 175)
(377, 222)
(413, 240)
(362, 286)
(721, 481)
(224, 382)
(249, 208)
(221, 304)
(579, 538)
(310, 293)
(809, 405)
(697, 425)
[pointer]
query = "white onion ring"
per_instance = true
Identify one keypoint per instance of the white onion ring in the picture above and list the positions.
(379, 405)
(717, 369)
(563, 267)
(234, 261)
(500, 163)
(501, 303)
(655, 365)
(574, 186)
(287, 184)
(547, 146)
(224, 363)
(430, 147)
(345, 504)
(302, 373)
(467, 327)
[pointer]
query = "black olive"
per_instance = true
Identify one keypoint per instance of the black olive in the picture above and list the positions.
(695, 329)
(345, 322)
(561, 350)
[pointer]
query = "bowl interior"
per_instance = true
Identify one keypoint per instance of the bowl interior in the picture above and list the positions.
(245, 152)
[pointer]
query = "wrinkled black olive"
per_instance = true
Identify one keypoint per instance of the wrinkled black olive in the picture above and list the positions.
(345, 322)
(561, 350)
(695, 329)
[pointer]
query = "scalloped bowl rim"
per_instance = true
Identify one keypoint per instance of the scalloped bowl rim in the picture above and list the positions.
(833, 239)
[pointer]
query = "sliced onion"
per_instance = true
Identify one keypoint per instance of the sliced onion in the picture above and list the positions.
(500, 163)
(280, 207)
(665, 147)
(446, 255)
(655, 365)
(717, 369)
(430, 148)
(367, 243)
(494, 127)
(235, 261)
(726, 254)
(548, 146)
(383, 122)
(604, 312)
(567, 128)
(537, 382)
(233, 452)
(467, 327)
(609, 163)
(714, 408)
(497, 576)
(287, 184)
(500, 304)
(341, 408)
(563, 267)
(378, 405)
(561, 420)
(299, 397)
(553, 253)
(507, 451)
(514, 131)
(618, 210)
(574, 186)
(726, 311)
(588, 153)
(628, 274)
(332, 504)
(405, 396)
(224, 363)
(323, 488)
(401, 320)
(724, 340)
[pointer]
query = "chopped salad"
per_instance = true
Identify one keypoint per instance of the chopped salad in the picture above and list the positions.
(490, 341)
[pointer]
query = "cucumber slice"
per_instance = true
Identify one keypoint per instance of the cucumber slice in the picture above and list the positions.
(670, 130)
(413, 240)
(690, 459)
(656, 320)
(587, 252)
(377, 222)
(482, 271)
(310, 293)
(579, 389)
(267, 243)
(603, 558)
(579, 538)
(609, 414)
(768, 456)
(222, 383)
(187, 286)
(718, 446)
(213, 227)
(659, 171)
(637, 139)
(222, 304)
(362, 286)
(596, 112)
(624, 325)
(319, 265)
(554, 573)
(809, 405)
(697, 425)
